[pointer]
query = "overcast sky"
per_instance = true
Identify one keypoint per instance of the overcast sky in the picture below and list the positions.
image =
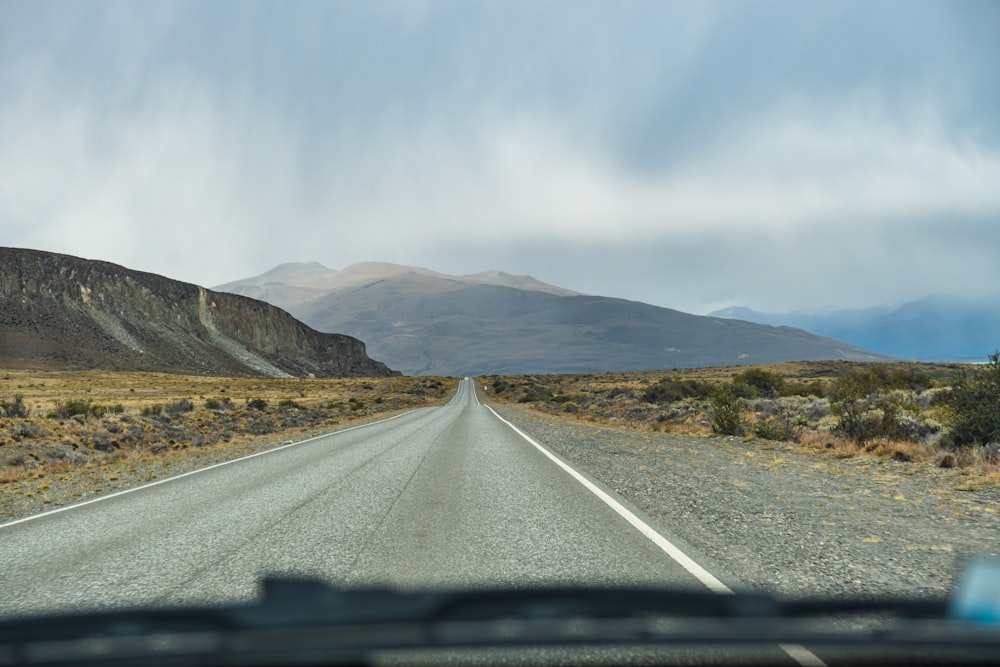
(693, 155)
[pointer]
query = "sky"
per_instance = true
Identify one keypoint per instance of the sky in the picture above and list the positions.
(693, 155)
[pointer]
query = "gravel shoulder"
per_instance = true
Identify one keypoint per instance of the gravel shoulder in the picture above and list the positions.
(784, 518)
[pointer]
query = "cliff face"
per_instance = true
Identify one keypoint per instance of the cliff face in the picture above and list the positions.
(58, 311)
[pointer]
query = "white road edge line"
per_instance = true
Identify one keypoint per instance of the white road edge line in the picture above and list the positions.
(796, 652)
(802, 655)
(685, 561)
(195, 472)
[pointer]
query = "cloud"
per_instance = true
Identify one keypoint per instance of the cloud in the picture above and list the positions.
(201, 196)
(170, 189)
(210, 144)
(530, 179)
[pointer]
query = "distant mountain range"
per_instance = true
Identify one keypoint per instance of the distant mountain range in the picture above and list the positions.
(63, 312)
(424, 322)
(934, 328)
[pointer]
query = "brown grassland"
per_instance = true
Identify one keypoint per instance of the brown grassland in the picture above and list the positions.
(900, 415)
(80, 433)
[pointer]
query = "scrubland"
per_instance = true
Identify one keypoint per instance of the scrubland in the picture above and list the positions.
(945, 415)
(66, 435)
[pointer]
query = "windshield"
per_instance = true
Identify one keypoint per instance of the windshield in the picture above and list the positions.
(464, 296)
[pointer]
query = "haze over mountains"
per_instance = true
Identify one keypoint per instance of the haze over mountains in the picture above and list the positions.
(63, 312)
(934, 328)
(424, 322)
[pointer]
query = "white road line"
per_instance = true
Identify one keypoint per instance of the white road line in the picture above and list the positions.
(685, 561)
(802, 655)
(195, 472)
(796, 652)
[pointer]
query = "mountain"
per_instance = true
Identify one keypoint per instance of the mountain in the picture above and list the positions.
(934, 328)
(58, 311)
(290, 285)
(424, 322)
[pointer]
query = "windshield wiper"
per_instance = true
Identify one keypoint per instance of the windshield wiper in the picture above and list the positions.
(306, 621)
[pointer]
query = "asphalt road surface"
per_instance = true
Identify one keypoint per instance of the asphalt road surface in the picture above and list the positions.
(446, 496)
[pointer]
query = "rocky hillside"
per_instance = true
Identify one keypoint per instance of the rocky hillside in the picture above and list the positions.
(424, 322)
(58, 311)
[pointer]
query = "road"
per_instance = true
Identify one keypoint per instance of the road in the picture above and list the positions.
(450, 495)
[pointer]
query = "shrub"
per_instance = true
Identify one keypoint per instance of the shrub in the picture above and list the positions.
(291, 404)
(535, 393)
(868, 418)
(14, 408)
(783, 426)
(813, 388)
(669, 390)
(77, 407)
(152, 410)
(851, 416)
(974, 406)
(257, 403)
(261, 426)
(213, 404)
(760, 382)
(880, 377)
(727, 412)
(183, 405)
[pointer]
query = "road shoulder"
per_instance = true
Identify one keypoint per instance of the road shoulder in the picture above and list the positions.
(782, 519)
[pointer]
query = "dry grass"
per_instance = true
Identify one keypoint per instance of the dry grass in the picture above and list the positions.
(630, 400)
(142, 416)
(44, 390)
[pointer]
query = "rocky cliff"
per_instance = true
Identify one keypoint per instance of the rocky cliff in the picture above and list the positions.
(58, 311)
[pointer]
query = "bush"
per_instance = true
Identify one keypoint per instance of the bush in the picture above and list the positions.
(152, 410)
(813, 388)
(14, 408)
(183, 405)
(761, 383)
(669, 390)
(257, 403)
(867, 418)
(213, 404)
(727, 412)
(974, 406)
(534, 393)
(783, 426)
(880, 377)
(261, 426)
(77, 407)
